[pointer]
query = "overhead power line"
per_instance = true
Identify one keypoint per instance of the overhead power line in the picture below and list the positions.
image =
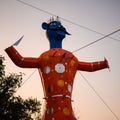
(99, 96)
(97, 40)
(49, 13)
(28, 78)
(25, 3)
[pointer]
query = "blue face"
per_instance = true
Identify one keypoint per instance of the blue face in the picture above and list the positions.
(55, 33)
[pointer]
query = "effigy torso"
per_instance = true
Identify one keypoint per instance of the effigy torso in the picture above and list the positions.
(57, 72)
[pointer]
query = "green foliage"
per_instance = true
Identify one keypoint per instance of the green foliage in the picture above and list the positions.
(12, 107)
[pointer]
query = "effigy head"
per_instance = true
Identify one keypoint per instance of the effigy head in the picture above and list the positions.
(54, 29)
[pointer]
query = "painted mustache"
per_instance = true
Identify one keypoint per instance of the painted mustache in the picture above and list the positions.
(61, 29)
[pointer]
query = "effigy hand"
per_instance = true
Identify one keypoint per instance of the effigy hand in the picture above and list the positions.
(107, 64)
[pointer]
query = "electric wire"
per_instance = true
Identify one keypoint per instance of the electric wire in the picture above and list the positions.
(97, 40)
(27, 79)
(49, 13)
(99, 96)
(32, 6)
(88, 29)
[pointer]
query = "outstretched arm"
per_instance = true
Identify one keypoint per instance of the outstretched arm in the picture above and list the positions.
(93, 66)
(25, 62)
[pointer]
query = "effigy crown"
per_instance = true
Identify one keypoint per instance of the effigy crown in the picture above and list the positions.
(54, 19)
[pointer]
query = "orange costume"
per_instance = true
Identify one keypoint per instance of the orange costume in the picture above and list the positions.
(57, 68)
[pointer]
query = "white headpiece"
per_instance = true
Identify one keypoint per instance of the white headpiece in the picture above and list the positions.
(52, 19)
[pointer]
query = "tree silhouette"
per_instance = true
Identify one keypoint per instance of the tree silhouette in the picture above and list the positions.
(14, 107)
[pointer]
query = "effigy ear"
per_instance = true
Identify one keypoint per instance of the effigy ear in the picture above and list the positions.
(44, 25)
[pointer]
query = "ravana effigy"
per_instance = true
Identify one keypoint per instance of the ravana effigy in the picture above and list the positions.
(57, 68)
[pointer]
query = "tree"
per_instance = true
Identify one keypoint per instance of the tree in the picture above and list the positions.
(14, 107)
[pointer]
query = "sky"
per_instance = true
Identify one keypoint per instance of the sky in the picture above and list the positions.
(18, 19)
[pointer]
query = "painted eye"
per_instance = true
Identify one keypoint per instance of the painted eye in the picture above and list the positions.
(52, 24)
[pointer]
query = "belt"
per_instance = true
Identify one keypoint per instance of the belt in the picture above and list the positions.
(58, 95)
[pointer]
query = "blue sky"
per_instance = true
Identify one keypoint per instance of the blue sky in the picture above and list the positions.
(17, 19)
